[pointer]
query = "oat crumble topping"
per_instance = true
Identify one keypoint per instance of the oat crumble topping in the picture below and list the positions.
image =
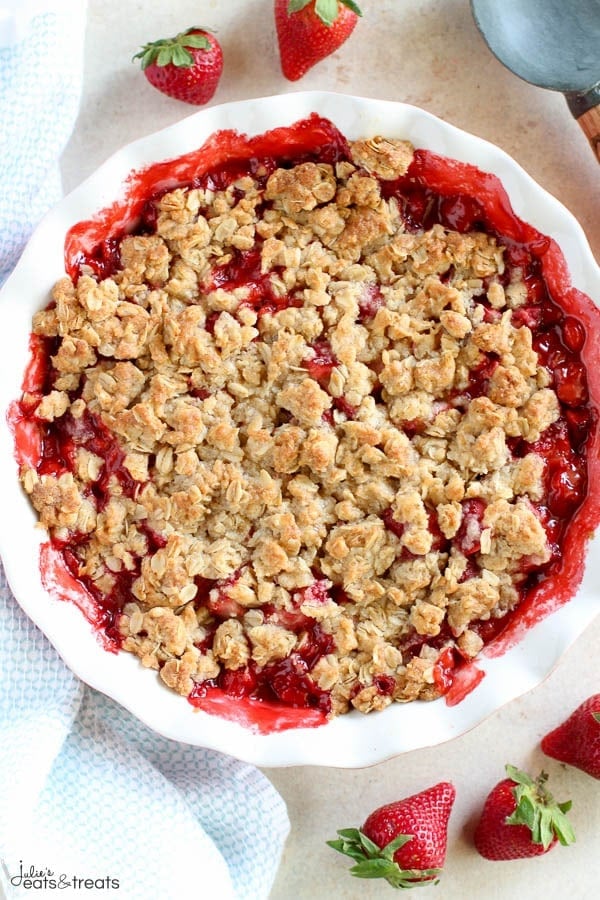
(309, 411)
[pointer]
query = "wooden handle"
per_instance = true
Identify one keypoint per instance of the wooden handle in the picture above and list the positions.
(590, 123)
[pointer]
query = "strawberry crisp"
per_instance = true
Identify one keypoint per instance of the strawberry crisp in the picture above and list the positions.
(310, 431)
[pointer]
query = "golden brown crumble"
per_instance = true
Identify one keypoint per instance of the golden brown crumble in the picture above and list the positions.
(331, 439)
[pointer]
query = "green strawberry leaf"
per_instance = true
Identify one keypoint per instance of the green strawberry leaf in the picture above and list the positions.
(543, 828)
(519, 777)
(372, 861)
(352, 6)
(370, 847)
(537, 810)
(172, 51)
(388, 851)
(146, 58)
(563, 828)
(352, 834)
(596, 716)
(347, 850)
(297, 5)
(372, 868)
(526, 808)
(165, 55)
(349, 843)
(398, 878)
(181, 57)
(197, 41)
(326, 10)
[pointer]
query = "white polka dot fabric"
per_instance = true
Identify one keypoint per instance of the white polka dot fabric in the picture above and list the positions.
(40, 85)
(87, 791)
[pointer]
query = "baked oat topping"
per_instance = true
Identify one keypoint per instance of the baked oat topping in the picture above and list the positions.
(296, 443)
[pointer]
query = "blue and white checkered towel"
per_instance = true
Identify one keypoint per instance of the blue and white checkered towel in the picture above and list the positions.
(87, 791)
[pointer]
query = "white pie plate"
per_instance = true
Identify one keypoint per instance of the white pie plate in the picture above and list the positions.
(349, 741)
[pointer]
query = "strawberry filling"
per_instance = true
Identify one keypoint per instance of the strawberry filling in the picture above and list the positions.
(321, 363)
(286, 681)
(244, 270)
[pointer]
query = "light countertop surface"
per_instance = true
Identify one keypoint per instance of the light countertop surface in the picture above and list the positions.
(428, 53)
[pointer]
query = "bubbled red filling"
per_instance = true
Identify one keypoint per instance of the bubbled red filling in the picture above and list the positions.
(433, 191)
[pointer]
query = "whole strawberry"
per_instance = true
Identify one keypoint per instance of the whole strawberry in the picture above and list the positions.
(310, 30)
(403, 842)
(520, 819)
(187, 67)
(577, 740)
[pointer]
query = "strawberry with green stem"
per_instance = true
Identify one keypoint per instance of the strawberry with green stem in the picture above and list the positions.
(520, 818)
(403, 842)
(310, 30)
(187, 67)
